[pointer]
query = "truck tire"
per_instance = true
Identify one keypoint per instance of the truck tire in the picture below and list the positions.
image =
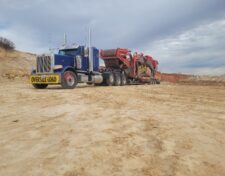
(117, 79)
(40, 86)
(69, 80)
(123, 79)
(152, 81)
(110, 79)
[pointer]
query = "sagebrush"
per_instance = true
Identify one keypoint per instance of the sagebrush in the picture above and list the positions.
(6, 44)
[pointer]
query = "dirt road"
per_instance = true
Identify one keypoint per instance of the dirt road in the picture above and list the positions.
(159, 130)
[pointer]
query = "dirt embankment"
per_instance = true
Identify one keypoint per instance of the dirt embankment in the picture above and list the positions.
(173, 77)
(15, 64)
(192, 79)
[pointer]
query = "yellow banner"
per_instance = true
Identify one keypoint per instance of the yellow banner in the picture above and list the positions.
(44, 79)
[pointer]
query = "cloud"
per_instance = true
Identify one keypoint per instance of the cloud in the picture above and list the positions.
(193, 50)
(38, 25)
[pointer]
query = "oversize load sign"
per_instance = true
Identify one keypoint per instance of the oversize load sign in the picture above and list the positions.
(44, 79)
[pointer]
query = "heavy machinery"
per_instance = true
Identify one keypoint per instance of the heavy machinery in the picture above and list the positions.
(129, 69)
(80, 64)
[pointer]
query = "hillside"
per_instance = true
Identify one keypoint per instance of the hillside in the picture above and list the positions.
(15, 64)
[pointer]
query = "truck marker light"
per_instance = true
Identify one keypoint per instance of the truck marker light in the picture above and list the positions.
(56, 67)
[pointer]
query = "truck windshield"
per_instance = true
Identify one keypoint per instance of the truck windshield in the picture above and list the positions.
(71, 52)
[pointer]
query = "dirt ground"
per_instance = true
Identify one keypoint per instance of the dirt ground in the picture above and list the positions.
(155, 130)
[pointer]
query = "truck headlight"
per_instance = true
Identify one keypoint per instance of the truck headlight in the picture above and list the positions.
(57, 67)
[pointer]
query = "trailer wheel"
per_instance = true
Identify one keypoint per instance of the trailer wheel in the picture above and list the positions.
(40, 86)
(123, 79)
(117, 79)
(69, 80)
(110, 79)
(151, 81)
(90, 83)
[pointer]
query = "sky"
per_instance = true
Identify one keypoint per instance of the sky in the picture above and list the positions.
(185, 36)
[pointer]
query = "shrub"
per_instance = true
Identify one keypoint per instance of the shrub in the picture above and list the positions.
(6, 44)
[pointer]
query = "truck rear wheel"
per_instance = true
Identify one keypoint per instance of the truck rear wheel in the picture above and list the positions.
(123, 79)
(110, 79)
(40, 86)
(69, 80)
(117, 79)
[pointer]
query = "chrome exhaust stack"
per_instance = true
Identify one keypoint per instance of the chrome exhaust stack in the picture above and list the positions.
(90, 53)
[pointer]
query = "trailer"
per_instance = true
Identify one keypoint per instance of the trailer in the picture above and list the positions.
(80, 64)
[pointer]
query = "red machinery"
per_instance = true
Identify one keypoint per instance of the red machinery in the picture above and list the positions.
(127, 68)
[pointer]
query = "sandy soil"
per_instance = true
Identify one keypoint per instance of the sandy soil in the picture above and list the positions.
(15, 64)
(158, 130)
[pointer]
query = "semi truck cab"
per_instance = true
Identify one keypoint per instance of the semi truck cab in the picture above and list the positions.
(72, 65)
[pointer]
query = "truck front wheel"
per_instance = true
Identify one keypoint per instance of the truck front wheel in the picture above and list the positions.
(40, 86)
(69, 80)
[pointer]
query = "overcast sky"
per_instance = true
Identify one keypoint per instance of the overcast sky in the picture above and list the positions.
(185, 36)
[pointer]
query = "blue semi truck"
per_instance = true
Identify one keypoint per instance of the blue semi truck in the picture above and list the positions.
(72, 65)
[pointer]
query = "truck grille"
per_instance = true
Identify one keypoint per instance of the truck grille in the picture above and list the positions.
(44, 64)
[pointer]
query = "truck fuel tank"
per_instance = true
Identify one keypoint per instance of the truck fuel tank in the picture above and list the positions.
(97, 79)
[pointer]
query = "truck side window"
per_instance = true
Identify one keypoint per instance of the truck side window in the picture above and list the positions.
(61, 52)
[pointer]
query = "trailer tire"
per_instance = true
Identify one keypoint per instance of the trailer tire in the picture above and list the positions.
(123, 79)
(152, 81)
(89, 83)
(117, 79)
(69, 80)
(157, 81)
(40, 86)
(110, 79)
